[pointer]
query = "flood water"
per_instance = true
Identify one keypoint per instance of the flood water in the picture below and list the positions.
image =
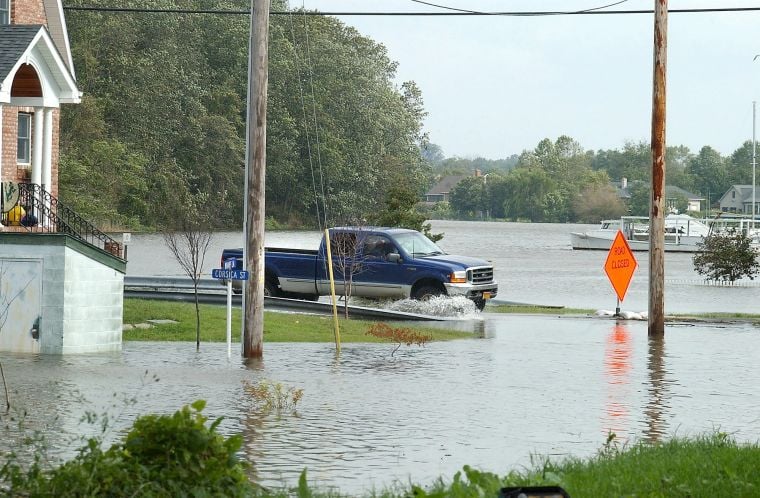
(527, 386)
(533, 263)
(522, 386)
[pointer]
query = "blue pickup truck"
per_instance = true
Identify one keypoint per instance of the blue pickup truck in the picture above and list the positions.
(378, 263)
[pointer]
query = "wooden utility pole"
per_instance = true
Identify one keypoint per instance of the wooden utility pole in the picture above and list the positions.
(256, 142)
(657, 201)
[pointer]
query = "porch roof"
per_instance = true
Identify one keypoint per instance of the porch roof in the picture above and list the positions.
(32, 44)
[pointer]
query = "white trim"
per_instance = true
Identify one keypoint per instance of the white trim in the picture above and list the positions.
(8, 11)
(47, 149)
(37, 147)
(56, 23)
(28, 137)
(58, 84)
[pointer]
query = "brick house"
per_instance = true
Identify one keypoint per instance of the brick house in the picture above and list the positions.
(36, 77)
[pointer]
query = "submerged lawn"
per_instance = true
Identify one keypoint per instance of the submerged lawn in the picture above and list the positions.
(278, 327)
(707, 466)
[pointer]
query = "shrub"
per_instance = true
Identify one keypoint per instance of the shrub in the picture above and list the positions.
(162, 455)
(726, 256)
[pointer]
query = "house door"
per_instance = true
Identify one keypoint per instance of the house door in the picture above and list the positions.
(20, 305)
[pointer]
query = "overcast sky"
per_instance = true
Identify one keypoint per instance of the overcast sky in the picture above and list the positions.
(495, 85)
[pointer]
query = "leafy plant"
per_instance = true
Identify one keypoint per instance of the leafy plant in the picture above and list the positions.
(726, 256)
(162, 455)
(398, 335)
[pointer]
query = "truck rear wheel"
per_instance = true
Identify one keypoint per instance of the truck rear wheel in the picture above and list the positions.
(270, 288)
(426, 292)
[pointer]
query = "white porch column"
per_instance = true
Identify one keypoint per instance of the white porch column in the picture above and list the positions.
(1, 150)
(37, 146)
(47, 150)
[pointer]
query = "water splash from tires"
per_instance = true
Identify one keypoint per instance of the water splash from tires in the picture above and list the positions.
(457, 306)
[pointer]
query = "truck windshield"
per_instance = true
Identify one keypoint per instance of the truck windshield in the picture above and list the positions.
(417, 244)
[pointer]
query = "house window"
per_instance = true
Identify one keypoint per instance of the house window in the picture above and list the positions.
(5, 11)
(24, 147)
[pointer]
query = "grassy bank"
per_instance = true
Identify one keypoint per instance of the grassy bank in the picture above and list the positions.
(554, 310)
(706, 466)
(278, 327)
(536, 310)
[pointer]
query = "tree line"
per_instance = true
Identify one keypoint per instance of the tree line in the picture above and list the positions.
(160, 131)
(559, 181)
(161, 125)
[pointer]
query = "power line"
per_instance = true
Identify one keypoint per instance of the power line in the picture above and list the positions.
(412, 14)
(430, 4)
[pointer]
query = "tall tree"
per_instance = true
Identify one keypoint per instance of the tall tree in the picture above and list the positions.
(708, 168)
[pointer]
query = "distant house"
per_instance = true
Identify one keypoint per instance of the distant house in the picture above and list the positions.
(622, 188)
(674, 194)
(442, 190)
(738, 199)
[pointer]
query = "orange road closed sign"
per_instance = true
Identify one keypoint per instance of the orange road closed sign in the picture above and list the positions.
(620, 265)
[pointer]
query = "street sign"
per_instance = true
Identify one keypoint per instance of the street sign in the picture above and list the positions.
(620, 265)
(229, 274)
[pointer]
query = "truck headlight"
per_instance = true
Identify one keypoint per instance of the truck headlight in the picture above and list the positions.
(458, 277)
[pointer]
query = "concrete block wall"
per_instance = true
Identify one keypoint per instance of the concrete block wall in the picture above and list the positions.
(82, 298)
(93, 305)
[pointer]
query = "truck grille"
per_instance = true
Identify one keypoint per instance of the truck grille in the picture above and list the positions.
(480, 275)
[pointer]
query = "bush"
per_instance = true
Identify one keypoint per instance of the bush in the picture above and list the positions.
(162, 455)
(726, 256)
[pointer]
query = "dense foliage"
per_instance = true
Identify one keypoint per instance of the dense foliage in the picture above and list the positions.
(161, 455)
(559, 181)
(163, 116)
(727, 256)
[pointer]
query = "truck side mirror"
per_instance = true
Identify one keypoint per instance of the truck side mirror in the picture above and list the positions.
(394, 257)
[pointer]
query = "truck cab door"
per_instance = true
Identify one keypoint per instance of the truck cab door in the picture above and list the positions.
(382, 273)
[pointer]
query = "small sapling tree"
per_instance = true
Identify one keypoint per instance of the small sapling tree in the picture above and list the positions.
(188, 238)
(348, 260)
(726, 256)
(398, 335)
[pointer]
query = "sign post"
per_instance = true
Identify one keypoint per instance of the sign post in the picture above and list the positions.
(229, 273)
(619, 267)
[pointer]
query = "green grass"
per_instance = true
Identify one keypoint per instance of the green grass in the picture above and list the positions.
(707, 466)
(278, 327)
(554, 310)
(536, 309)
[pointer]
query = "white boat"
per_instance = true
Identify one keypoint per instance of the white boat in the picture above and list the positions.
(682, 233)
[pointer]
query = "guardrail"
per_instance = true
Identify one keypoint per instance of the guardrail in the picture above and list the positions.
(172, 283)
(213, 292)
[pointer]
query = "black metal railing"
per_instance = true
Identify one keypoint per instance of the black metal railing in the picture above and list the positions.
(37, 210)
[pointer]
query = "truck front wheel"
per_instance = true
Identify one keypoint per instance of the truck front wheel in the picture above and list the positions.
(426, 292)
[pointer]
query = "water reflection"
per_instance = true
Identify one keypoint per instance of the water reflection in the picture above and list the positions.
(617, 368)
(657, 405)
